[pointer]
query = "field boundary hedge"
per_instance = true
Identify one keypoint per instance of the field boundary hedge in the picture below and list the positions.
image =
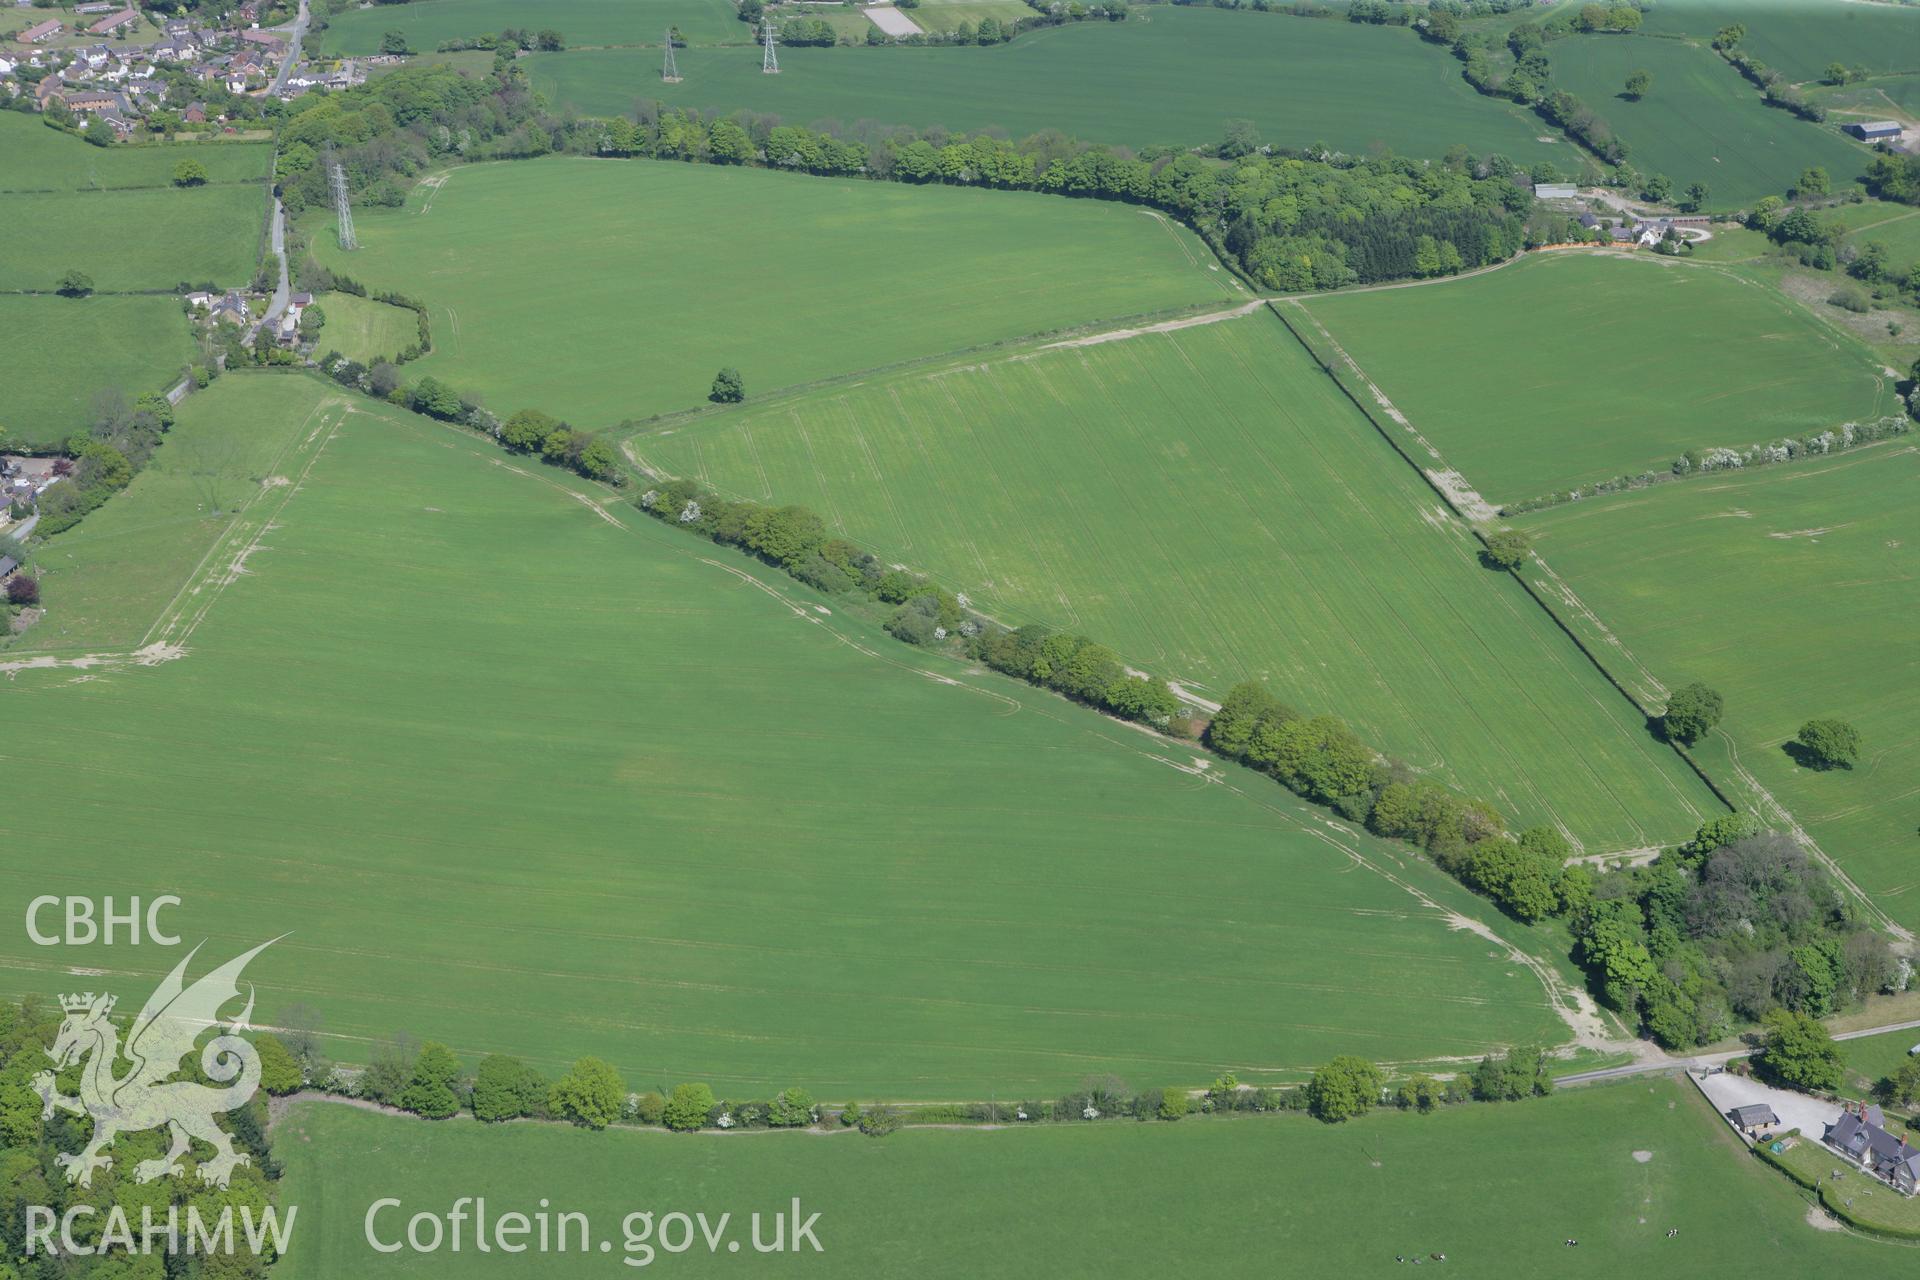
(1718, 460)
(1559, 622)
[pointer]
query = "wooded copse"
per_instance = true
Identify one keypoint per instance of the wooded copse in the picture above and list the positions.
(1724, 929)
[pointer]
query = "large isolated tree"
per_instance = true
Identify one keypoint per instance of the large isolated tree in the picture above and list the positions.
(1828, 744)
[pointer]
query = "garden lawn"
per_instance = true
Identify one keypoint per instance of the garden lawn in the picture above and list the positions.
(36, 158)
(1854, 1194)
(1701, 121)
(364, 330)
(1568, 368)
(1209, 504)
(1800, 37)
(525, 775)
(1169, 75)
(148, 240)
(1497, 1188)
(81, 346)
(216, 480)
(429, 23)
(616, 289)
(1784, 589)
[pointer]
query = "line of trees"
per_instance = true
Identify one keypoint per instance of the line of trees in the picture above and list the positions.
(915, 609)
(1814, 444)
(1320, 758)
(1775, 87)
(429, 1080)
(530, 431)
(1529, 81)
(1314, 220)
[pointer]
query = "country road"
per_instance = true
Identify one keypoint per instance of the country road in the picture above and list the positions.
(1664, 1062)
(293, 51)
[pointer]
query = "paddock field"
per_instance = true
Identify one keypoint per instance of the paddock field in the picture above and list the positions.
(1701, 121)
(522, 774)
(1784, 589)
(1713, 359)
(1895, 225)
(427, 23)
(1208, 503)
(1497, 1188)
(1166, 75)
(81, 346)
(945, 15)
(36, 158)
(139, 240)
(1872, 1059)
(1800, 37)
(616, 289)
(364, 330)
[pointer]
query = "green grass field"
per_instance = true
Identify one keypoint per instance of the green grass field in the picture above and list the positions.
(132, 240)
(82, 346)
(1896, 226)
(364, 330)
(1701, 122)
(1876, 98)
(1496, 1188)
(1295, 79)
(215, 482)
(1779, 588)
(1871, 1059)
(1207, 502)
(428, 23)
(1606, 366)
(36, 158)
(945, 15)
(1800, 37)
(521, 774)
(615, 290)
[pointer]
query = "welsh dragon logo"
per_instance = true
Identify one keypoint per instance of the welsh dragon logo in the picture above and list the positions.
(143, 1098)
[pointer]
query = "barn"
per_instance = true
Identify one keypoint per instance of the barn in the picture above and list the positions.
(1871, 130)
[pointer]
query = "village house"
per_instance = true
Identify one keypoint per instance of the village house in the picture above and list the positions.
(99, 102)
(7, 64)
(1861, 1135)
(126, 19)
(40, 32)
(201, 300)
(196, 113)
(232, 309)
(264, 40)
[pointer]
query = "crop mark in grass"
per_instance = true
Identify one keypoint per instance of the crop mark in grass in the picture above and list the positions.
(1812, 535)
